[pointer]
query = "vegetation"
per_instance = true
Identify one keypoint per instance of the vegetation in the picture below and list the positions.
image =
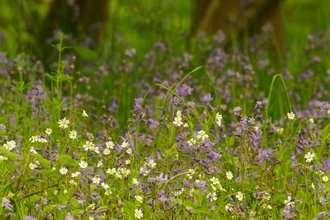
(144, 128)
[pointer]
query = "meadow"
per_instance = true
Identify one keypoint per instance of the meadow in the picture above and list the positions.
(146, 128)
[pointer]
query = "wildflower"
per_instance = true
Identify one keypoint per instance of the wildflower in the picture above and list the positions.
(100, 164)
(309, 157)
(328, 111)
(191, 173)
(240, 196)
(73, 134)
(291, 116)
(135, 181)
(96, 180)
(124, 144)
(218, 119)
(151, 163)
(138, 213)
(229, 175)
(84, 114)
(105, 186)
(125, 172)
(32, 150)
(215, 181)
(178, 119)
(289, 202)
(48, 131)
(279, 130)
(111, 171)
(325, 179)
(212, 196)
(33, 166)
(129, 151)
(202, 135)
(139, 198)
(127, 162)
(2, 158)
(63, 170)
(229, 208)
(106, 151)
(311, 120)
(64, 123)
(109, 145)
(191, 142)
(83, 164)
(76, 174)
(88, 145)
(10, 145)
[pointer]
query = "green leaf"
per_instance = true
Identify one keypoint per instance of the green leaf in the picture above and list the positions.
(231, 141)
(50, 173)
(325, 132)
(6, 153)
(86, 53)
(44, 162)
(67, 160)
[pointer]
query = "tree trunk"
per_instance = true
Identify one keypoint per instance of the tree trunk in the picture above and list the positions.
(234, 17)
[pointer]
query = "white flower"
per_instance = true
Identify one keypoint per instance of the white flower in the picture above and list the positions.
(63, 170)
(229, 175)
(83, 164)
(88, 146)
(111, 171)
(109, 145)
(84, 114)
(63, 123)
(48, 131)
(73, 134)
(328, 111)
(139, 198)
(127, 162)
(76, 174)
(325, 179)
(129, 151)
(100, 164)
(105, 186)
(202, 135)
(124, 144)
(311, 120)
(215, 181)
(228, 208)
(178, 121)
(10, 145)
(135, 181)
(32, 150)
(2, 158)
(138, 213)
(279, 130)
(33, 166)
(192, 142)
(240, 196)
(106, 151)
(289, 202)
(309, 157)
(96, 180)
(151, 163)
(291, 115)
(218, 119)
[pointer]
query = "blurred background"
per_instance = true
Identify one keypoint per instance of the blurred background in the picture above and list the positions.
(30, 26)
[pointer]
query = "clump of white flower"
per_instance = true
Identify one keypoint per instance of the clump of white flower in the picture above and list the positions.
(178, 119)
(218, 119)
(291, 116)
(10, 145)
(63, 170)
(289, 201)
(202, 135)
(73, 134)
(38, 138)
(138, 213)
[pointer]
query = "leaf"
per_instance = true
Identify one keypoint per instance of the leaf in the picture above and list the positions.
(67, 160)
(325, 132)
(6, 153)
(231, 141)
(50, 173)
(86, 53)
(44, 162)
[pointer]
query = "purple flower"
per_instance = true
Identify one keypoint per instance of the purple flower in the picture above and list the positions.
(326, 165)
(137, 105)
(184, 90)
(207, 98)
